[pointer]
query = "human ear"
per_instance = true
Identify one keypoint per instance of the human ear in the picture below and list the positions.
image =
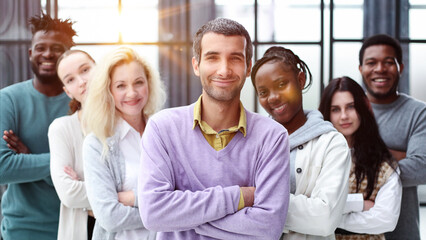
(195, 66)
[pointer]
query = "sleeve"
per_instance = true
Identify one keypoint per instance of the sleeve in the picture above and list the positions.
(320, 212)
(415, 154)
(383, 216)
(354, 203)
(265, 220)
(18, 168)
(110, 214)
(161, 206)
(71, 192)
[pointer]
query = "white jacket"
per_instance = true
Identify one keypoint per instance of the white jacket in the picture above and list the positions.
(65, 142)
(322, 167)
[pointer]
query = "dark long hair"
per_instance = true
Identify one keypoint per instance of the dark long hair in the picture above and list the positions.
(285, 56)
(369, 149)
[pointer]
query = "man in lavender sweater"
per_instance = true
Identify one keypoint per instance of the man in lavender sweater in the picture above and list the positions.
(213, 170)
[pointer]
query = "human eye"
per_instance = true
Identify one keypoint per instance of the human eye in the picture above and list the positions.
(140, 82)
(370, 63)
(39, 48)
(262, 93)
(69, 80)
(351, 106)
(335, 109)
(282, 84)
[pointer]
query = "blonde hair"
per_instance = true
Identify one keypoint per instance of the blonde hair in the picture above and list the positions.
(99, 114)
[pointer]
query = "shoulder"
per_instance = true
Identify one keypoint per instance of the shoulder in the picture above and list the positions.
(172, 117)
(16, 89)
(257, 122)
(69, 123)
(412, 102)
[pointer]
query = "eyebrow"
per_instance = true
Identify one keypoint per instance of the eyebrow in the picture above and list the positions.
(79, 67)
(209, 53)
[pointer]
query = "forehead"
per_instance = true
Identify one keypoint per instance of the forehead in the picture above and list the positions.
(342, 97)
(379, 52)
(74, 60)
(49, 37)
(214, 42)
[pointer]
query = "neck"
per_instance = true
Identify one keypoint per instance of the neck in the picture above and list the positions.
(383, 100)
(350, 141)
(298, 120)
(138, 123)
(220, 115)
(50, 89)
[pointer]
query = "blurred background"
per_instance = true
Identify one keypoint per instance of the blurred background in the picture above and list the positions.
(326, 34)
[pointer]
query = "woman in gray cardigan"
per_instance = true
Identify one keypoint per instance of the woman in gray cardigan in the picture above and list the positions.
(124, 92)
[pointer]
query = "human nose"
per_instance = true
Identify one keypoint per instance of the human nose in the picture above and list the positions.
(82, 81)
(224, 69)
(343, 114)
(131, 92)
(48, 53)
(380, 67)
(273, 97)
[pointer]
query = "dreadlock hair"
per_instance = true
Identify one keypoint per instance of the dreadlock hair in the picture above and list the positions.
(285, 56)
(369, 149)
(45, 23)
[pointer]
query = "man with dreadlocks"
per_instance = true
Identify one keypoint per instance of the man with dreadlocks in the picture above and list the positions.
(30, 205)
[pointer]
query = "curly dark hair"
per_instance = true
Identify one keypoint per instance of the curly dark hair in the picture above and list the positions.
(285, 56)
(381, 39)
(370, 151)
(46, 23)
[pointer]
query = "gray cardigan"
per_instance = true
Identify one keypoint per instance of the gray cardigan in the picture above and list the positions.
(104, 177)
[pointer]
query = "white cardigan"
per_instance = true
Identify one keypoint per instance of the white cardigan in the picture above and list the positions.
(65, 142)
(322, 168)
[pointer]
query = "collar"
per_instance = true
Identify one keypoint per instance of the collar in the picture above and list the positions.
(123, 129)
(242, 123)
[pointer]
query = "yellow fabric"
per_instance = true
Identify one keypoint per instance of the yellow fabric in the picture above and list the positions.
(219, 140)
(241, 203)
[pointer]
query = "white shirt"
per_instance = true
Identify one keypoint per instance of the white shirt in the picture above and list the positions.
(382, 217)
(130, 146)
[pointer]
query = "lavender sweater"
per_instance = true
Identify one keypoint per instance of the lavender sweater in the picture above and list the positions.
(188, 190)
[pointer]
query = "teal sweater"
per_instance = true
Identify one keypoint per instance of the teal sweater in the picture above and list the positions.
(30, 205)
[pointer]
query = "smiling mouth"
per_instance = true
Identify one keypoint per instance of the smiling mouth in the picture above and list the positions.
(380, 80)
(132, 102)
(345, 125)
(279, 109)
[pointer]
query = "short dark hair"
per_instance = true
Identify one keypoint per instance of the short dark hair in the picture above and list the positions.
(45, 23)
(370, 151)
(225, 27)
(284, 56)
(381, 39)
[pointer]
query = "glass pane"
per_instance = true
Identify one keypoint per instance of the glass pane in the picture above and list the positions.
(240, 11)
(348, 21)
(416, 70)
(345, 61)
(290, 20)
(416, 18)
(310, 54)
(139, 21)
(95, 20)
(150, 53)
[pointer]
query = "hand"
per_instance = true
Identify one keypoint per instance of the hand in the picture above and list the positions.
(90, 213)
(248, 195)
(14, 143)
(367, 205)
(126, 198)
(398, 155)
(68, 170)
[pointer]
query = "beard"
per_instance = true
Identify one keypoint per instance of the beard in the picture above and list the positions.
(44, 78)
(223, 95)
(385, 95)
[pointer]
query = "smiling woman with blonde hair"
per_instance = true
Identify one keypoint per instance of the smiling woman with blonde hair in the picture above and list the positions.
(124, 93)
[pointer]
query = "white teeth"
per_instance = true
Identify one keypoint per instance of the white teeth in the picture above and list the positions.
(47, 63)
(279, 108)
(379, 80)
